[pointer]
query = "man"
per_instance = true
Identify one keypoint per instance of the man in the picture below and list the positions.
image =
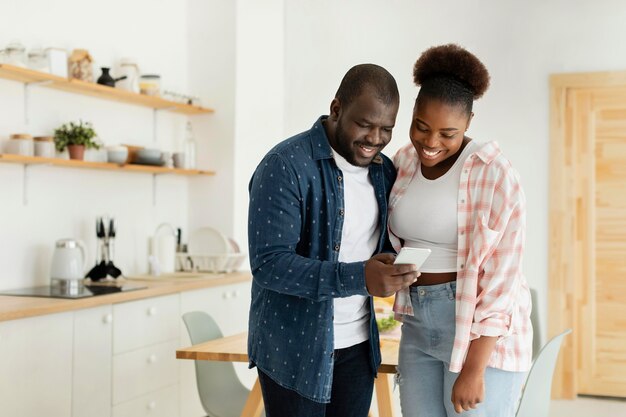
(318, 212)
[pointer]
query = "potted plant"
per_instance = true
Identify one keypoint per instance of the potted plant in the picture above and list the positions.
(76, 137)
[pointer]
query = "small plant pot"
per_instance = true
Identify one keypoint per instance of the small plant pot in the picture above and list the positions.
(76, 151)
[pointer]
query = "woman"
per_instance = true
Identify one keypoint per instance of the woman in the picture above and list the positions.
(466, 333)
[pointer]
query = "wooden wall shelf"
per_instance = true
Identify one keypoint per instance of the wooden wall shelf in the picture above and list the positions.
(28, 76)
(70, 163)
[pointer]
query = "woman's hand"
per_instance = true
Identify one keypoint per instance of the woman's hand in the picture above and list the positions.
(468, 390)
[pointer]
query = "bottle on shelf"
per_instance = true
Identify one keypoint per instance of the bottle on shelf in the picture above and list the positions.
(189, 148)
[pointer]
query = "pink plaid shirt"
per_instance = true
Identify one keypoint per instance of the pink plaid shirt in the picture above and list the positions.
(492, 296)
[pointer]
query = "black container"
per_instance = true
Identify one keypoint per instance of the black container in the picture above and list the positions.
(107, 79)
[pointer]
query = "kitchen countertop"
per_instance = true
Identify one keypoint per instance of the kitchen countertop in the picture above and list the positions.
(12, 308)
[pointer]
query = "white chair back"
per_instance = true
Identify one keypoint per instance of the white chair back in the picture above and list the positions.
(534, 320)
(535, 400)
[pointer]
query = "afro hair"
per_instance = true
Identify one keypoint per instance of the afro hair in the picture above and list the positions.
(452, 61)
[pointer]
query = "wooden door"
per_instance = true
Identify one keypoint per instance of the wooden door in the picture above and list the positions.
(604, 372)
(588, 233)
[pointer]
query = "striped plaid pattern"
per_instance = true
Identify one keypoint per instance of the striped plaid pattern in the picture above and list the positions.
(492, 297)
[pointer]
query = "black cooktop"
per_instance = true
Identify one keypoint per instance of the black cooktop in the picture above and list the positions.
(83, 292)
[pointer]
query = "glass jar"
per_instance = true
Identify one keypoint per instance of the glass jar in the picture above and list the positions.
(150, 84)
(37, 60)
(15, 54)
(44, 146)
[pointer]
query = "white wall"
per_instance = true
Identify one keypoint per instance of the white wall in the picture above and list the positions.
(521, 43)
(211, 47)
(236, 59)
(259, 94)
(64, 202)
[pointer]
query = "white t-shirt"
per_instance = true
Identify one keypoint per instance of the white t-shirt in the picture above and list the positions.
(359, 238)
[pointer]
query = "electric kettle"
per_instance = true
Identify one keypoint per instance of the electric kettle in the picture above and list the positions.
(68, 260)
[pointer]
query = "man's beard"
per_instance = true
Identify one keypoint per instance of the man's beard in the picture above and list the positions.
(346, 148)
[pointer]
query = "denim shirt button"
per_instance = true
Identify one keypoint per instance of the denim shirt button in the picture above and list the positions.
(339, 178)
(341, 212)
(337, 248)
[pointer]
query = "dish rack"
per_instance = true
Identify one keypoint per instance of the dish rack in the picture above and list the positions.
(223, 262)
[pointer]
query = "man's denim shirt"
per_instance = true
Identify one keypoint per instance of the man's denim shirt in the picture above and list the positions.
(295, 221)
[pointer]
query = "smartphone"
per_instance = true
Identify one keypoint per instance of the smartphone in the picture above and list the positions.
(415, 256)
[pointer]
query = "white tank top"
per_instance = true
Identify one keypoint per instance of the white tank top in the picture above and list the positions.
(426, 216)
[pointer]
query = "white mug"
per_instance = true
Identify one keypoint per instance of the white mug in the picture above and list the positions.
(179, 159)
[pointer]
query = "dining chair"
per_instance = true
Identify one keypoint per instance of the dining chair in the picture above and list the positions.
(534, 320)
(535, 399)
(221, 392)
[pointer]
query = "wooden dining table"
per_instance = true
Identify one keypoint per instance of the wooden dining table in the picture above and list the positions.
(235, 349)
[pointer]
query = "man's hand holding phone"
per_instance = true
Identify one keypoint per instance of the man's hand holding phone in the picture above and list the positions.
(386, 274)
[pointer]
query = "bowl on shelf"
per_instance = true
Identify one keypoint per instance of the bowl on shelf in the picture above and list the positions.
(117, 154)
(148, 153)
(147, 156)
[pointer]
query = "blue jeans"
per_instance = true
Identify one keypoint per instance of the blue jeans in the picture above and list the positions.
(353, 383)
(425, 348)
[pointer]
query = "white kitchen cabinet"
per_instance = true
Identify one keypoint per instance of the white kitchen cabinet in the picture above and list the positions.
(144, 370)
(93, 347)
(161, 403)
(145, 322)
(113, 360)
(229, 306)
(146, 335)
(36, 366)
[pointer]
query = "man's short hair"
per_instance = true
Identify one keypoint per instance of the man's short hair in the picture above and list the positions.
(368, 75)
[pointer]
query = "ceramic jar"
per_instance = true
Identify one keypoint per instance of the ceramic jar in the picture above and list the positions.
(20, 144)
(44, 146)
(129, 68)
